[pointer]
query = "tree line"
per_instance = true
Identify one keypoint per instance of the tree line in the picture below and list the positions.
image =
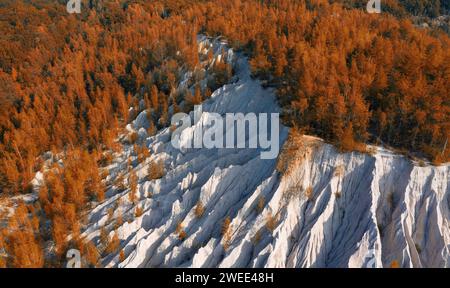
(67, 83)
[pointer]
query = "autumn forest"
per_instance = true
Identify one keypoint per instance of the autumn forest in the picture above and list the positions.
(67, 83)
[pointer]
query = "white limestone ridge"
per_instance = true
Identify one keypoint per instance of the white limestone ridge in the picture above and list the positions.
(329, 210)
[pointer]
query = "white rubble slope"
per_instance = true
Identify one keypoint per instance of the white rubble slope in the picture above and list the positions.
(331, 210)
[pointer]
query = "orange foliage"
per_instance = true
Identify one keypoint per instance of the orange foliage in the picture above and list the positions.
(339, 73)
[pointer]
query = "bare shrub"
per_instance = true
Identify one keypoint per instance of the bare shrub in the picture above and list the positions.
(256, 238)
(295, 189)
(179, 230)
(226, 233)
(119, 222)
(133, 183)
(113, 244)
(182, 235)
(261, 204)
(289, 154)
(271, 222)
(151, 130)
(138, 211)
(142, 153)
(121, 256)
(371, 150)
(106, 159)
(129, 164)
(155, 170)
(199, 209)
(90, 253)
(309, 193)
(395, 264)
(110, 213)
(339, 170)
(103, 236)
(119, 182)
(104, 174)
(226, 225)
(132, 138)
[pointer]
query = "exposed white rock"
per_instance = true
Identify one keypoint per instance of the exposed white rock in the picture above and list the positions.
(364, 210)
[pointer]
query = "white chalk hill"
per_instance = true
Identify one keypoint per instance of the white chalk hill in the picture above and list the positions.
(330, 210)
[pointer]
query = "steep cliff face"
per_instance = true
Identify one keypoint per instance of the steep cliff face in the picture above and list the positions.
(363, 211)
(328, 209)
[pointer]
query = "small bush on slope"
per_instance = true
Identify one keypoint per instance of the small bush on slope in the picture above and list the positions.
(113, 244)
(261, 204)
(121, 256)
(155, 170)
(133, 183)
(271, 222)
(179, 230)
(226, 233)
(138, 212)
(291, 152)
(199, 210)
(309, 193)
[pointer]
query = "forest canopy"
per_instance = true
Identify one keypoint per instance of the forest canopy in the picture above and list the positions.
(67, 83)
(68, 80)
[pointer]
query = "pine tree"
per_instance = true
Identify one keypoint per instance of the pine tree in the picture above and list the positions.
(133, 183)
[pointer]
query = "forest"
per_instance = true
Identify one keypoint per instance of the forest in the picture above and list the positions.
(67, 83)
(404, 8)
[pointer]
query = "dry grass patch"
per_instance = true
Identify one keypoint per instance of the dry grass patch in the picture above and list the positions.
(271, 222)
(226, 233)
(294, 190)
(138, 212)
(289, 155)
(119, 222)
(90, 254)
(182, 235)
(119, 182)
(103, 236)
(394, 264)
(199, 210)
(256, 238)
(121, 256)
(132, 138)
(179, 230)
(309, 193)
(113, 244)
(133, 183)
(142, 153)
(339, 171)
(155, 170)
(110, 213)
(261, 204)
